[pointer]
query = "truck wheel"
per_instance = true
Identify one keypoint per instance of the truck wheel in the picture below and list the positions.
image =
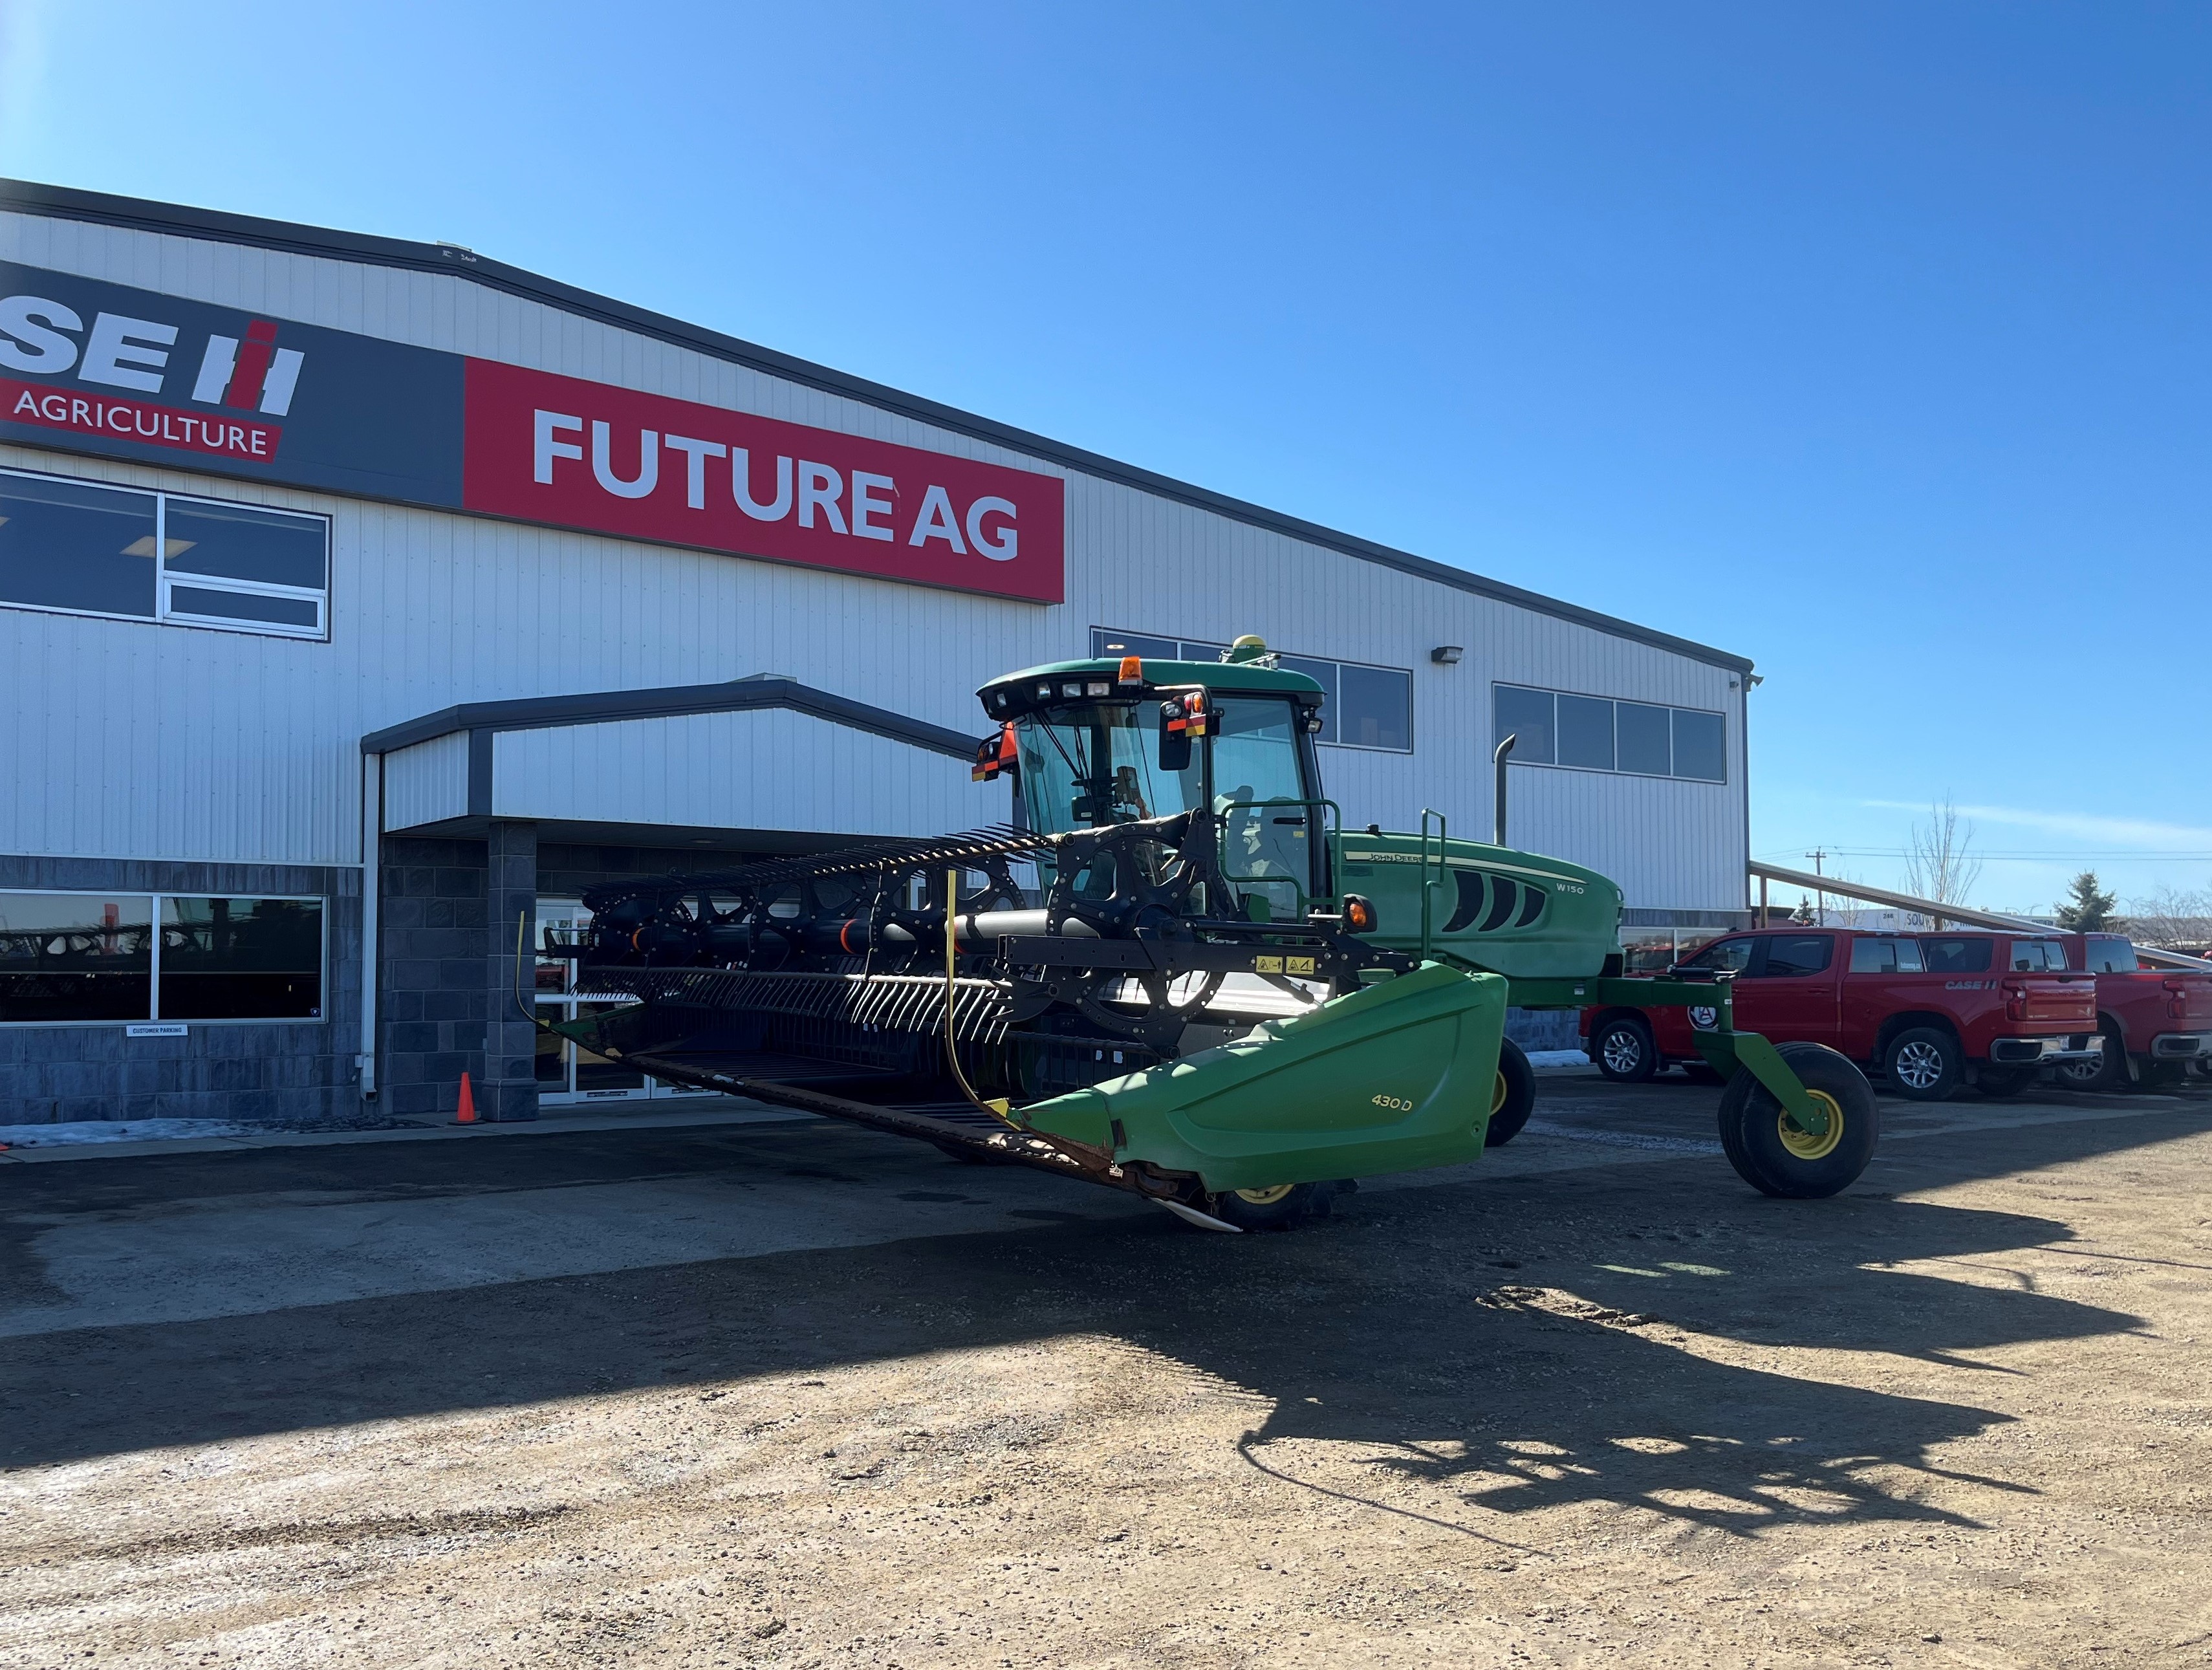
(1769, 1150)
(2109, 1072)
(1285, 1206)
(1512, 1096)
(1923, 1063)
(1624, 1050)
(2003, 1081)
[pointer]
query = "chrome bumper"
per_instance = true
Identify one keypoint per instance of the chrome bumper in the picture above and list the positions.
(2041, 1051)
(2181, 1045)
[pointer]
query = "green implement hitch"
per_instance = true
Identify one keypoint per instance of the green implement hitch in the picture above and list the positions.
(1724, 1048)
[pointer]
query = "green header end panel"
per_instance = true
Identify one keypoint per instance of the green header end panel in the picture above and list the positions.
(1391, 1078)
(1515, 914)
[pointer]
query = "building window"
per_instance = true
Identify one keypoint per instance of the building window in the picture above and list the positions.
(1362, 706)
(74, 957)
(1593, 733)
(86, 549)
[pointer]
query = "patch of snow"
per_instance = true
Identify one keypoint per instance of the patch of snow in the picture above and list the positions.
(117, 1130)
(1559, 1060)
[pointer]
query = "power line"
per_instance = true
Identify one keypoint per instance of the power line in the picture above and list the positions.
(2019, 855)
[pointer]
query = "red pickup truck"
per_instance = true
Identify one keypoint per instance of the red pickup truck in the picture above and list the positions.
(1931, 1011)
(2156, 1023)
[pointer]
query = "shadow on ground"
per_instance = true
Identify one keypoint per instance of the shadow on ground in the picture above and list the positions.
(1491, 1347)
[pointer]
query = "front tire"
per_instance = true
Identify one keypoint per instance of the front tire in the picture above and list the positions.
(1283, 1207)
(1924, 1064)
(1774, 1155)
(1623, 1049)
(1512, 1096)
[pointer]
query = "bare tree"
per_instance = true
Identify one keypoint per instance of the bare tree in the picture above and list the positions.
(2171, 916)
(1940, 864)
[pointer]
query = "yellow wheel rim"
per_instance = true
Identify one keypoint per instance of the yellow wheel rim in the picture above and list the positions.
(1266, 1196)
(1498, 1091)
(1803, 1144)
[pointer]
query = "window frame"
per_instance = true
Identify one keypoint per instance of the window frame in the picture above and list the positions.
(164, 580)
(156, 896)
(1102, 636)
(1670, 775)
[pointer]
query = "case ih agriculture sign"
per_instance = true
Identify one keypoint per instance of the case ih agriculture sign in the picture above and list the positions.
(97, 368)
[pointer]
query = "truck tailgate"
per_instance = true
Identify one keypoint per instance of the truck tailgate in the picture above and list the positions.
(2053, 1000)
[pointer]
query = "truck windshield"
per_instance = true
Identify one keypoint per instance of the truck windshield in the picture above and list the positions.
(1084, 767)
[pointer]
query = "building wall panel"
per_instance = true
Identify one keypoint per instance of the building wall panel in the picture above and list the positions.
(427, 783)
(758, 769)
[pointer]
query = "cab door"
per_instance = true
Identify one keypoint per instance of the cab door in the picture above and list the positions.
(1792, 992)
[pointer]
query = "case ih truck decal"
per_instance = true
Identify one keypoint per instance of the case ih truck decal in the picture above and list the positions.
(89, 366)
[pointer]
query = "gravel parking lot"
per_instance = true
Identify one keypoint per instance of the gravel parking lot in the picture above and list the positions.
(788, 1393)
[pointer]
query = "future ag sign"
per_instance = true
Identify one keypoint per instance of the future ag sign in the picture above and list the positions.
(97, 368)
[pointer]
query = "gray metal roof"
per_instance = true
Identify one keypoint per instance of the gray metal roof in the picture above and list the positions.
(103, 208)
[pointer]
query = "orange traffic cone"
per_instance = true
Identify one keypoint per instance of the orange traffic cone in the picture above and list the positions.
(468, 1114)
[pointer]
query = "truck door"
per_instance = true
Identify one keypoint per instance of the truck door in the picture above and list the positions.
(1673, 1027)
(1792, 992)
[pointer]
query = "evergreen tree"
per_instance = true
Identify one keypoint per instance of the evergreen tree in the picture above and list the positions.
(2085, 910)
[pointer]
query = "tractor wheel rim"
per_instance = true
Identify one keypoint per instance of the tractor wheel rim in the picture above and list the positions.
(1622, 1052)
(1265, 1197)
(1500, 1093)
(1919, 1064)
(1803, 1144)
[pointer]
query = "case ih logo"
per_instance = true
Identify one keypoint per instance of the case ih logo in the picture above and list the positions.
(232, 382)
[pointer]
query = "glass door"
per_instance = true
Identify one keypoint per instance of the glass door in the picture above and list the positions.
(567, 1073)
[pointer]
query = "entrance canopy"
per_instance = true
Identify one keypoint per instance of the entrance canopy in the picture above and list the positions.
(766, 764)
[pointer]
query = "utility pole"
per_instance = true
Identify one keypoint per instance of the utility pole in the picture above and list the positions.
(1817, 855)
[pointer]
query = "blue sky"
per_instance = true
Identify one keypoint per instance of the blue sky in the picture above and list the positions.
(1870, 342)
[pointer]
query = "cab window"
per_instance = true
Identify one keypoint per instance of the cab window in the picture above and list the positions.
(1789, 954)
(1724, 954)
(2109, 954)
(2039, 956)
(1886, 956)
(1959, 955)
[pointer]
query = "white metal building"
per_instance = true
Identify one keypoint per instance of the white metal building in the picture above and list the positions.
(325, 557)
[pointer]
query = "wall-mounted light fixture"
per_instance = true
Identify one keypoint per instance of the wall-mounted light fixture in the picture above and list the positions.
(1447, 655)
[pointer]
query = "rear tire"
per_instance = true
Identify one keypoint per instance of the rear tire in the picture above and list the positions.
(1773, 1154)
(1512, 1098)
(1924, 1064)
(2003, 1082)
(1283, 1207)
(2109, 1072)
(1623, 1049)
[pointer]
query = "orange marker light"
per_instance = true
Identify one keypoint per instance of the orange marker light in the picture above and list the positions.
(1133, 670)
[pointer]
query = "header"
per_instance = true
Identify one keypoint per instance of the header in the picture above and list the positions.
(96, 367)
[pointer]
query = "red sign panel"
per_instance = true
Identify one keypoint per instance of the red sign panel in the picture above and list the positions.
(557, 450)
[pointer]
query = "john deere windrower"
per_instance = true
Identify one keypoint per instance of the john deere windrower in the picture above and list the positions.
(1178, 974)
